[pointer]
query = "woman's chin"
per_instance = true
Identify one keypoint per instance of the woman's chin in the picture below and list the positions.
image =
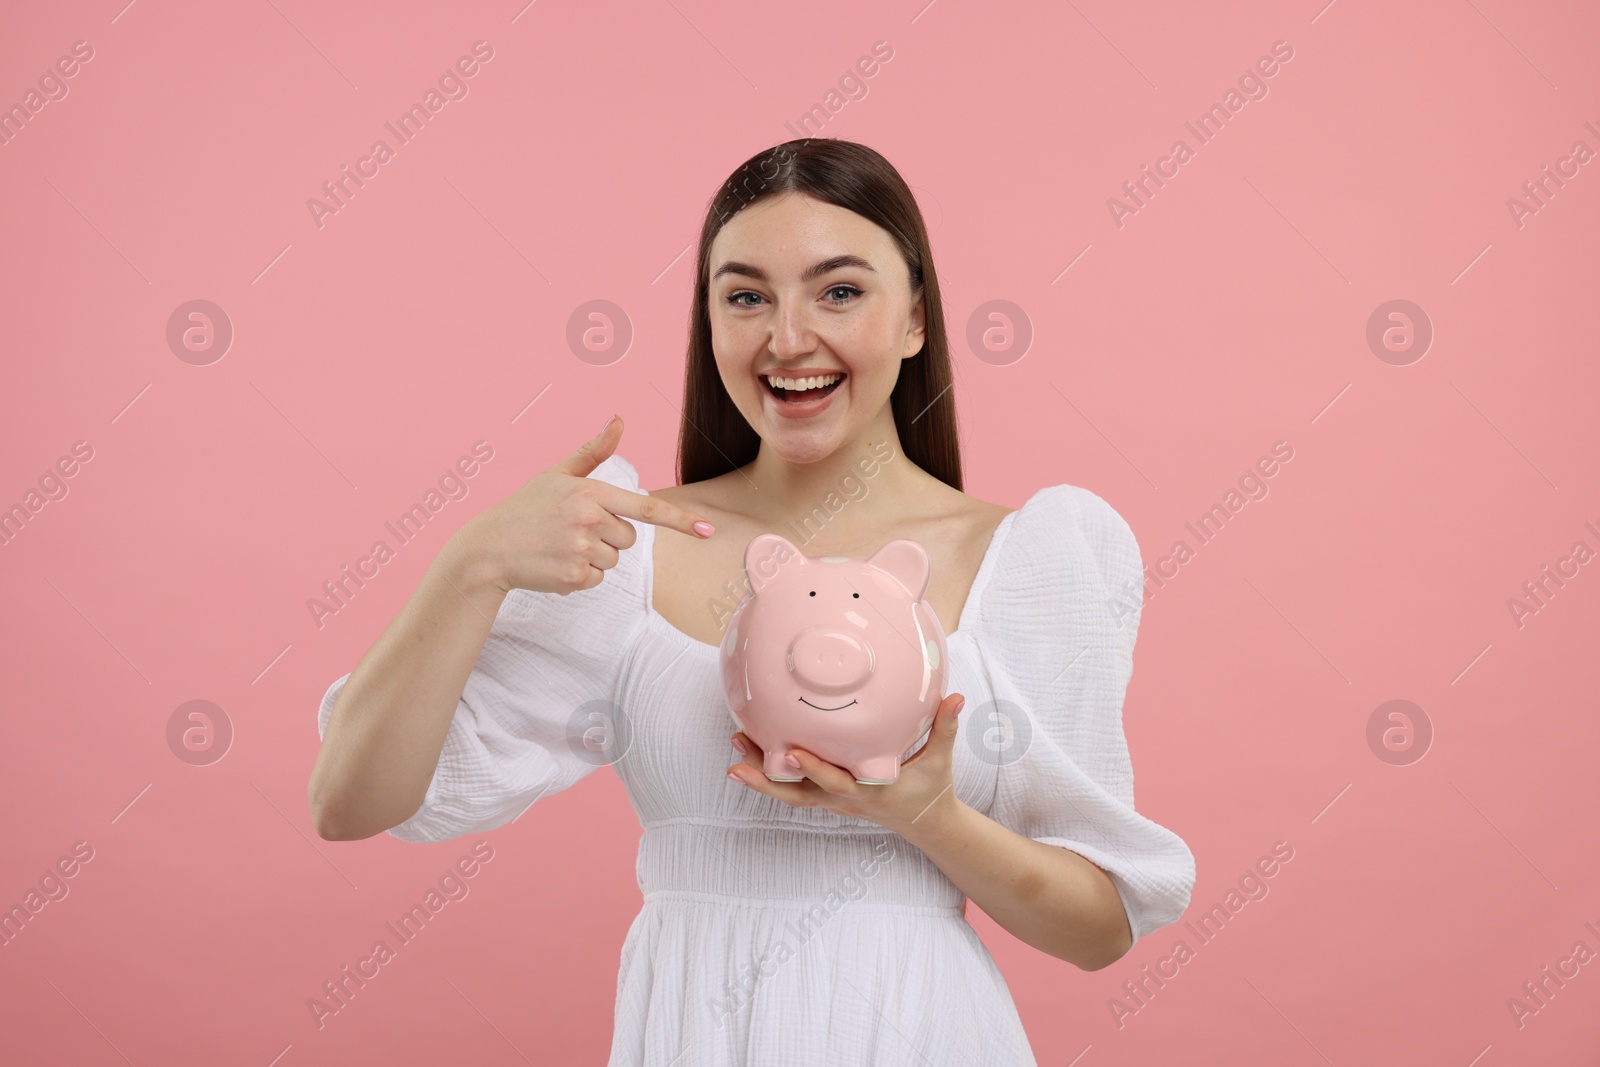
(801, 445)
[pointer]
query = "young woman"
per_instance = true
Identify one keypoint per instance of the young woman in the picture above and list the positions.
(577, 624)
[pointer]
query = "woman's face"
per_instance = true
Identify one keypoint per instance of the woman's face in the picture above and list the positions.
(771, 316)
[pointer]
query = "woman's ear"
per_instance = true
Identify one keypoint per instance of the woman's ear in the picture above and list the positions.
(917, 328)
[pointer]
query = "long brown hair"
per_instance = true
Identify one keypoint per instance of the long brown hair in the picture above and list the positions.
(714, 437)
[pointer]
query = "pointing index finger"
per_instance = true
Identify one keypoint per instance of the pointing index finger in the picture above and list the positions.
(654, 510)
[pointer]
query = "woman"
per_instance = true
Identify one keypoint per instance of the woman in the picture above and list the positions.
(577, 623)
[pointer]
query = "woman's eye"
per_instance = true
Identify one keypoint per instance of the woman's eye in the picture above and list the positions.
(832, 294)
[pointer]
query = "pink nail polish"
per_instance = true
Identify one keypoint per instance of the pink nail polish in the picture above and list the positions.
(734, 776)
(704, 529)
(788, 757)
(739, 747)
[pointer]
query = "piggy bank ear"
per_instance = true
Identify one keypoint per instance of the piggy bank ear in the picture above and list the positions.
(767, 556)
(907, 562)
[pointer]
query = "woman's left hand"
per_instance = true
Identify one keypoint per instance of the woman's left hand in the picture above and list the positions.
(924, 780)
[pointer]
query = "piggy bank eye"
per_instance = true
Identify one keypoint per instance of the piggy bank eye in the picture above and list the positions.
(813, 592)
(855, 594)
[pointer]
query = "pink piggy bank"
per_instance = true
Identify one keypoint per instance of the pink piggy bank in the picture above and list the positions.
(837, 655)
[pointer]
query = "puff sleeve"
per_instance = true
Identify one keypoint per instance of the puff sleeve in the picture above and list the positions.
(540, 701)
(1058, 621)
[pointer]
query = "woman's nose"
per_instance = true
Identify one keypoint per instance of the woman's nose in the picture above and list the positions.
(791, 333)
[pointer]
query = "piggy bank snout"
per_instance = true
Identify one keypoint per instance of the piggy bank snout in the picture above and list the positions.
(829, 660)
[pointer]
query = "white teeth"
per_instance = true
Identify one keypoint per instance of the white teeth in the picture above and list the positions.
(801, 384)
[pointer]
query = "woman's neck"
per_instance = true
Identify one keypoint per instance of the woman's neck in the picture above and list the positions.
(847, 498)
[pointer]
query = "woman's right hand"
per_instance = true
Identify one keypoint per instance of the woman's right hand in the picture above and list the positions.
(560, 532)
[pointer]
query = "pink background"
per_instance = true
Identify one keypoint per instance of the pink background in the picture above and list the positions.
(1229, 313)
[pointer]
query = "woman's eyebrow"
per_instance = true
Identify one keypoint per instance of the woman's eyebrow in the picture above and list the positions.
(816, 270)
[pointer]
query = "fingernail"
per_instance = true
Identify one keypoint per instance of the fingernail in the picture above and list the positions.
(607, 426)
(703, 528)
(788, 757)
(737, 744)
(960, 703)
(734, 776)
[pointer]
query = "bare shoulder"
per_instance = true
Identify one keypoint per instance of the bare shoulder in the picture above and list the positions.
(982, 511)
(707, 497)
(947, 502)
(970, 522)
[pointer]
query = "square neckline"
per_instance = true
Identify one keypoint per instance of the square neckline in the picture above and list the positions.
(965, 622)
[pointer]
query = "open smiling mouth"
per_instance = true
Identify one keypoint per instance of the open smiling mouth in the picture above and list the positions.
(799, 390)
(808, 704)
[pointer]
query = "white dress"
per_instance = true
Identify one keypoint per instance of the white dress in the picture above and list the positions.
(772, 935)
